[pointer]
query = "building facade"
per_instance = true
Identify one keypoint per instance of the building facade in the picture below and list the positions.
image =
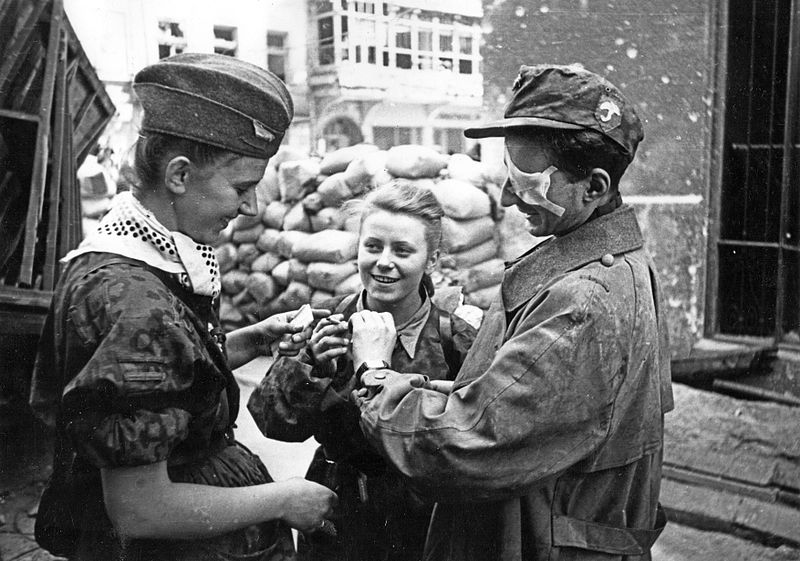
(123, 36)
(400, 72)
(388, 72)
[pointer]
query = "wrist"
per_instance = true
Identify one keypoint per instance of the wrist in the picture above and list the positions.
(259, 341)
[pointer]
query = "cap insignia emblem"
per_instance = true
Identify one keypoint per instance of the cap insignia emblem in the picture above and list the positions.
(608, 113)
(262, 132)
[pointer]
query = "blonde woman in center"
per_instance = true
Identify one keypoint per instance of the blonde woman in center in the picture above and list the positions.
(379, 515)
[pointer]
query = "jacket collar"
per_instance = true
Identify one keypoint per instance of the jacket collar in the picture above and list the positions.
(613, 233)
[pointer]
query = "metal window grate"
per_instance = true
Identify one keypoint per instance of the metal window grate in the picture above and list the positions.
(758, 249)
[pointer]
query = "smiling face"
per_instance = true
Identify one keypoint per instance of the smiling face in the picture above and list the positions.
(215, 194)
(392, 257)
(530, 156)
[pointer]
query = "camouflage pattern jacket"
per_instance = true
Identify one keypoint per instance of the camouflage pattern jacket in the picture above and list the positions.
(132, 369)
(550, 446)
(379, 516)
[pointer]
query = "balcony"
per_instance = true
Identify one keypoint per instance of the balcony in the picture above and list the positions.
(369, 81)
(376, 50)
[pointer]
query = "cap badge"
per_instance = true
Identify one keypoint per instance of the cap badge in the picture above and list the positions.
(262, 132)
(608, 113)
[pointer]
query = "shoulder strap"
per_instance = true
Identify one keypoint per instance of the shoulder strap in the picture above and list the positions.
(445, 328)
(347, 305)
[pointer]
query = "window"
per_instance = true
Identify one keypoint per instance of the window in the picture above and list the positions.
(323, 6)
(425, 49)
(345, 41)
(341, 132)
(465, 45)
(402, 42)
(225, 40)
(756, 291)
(170, 39)
(364, 7)
(364, 37)
(465, 48)
(450, 140)
(446, 42)
(446, 49)
(277, 53)
(325, 39)
(408, 39)
(386, 137)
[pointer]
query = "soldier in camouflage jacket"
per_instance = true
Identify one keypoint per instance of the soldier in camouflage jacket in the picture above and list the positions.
(380, 516)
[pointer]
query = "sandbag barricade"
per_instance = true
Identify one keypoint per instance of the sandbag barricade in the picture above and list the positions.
(302, 247)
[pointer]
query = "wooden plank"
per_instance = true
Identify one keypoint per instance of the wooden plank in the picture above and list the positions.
(9, 196)
(94, 133)
(84, 107)
(72, 198)
(69, 192)
(10, 229)
(89, 72)
(11, 114)
(36, 59)
(9, 265)
(59, 153)
(22, 34)
(683, 475)
(5, 12)
(39, 175)
(705, 366)
(89, 82)
(747, 391)
(679, 542)
(714, 509)
(5, 194)
(25, 297)
(746, 441)
(721, 459)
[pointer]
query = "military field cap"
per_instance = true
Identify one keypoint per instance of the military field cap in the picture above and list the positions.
(215, 99)
(567, 97)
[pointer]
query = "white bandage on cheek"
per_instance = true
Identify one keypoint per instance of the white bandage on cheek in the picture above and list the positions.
(539, 184)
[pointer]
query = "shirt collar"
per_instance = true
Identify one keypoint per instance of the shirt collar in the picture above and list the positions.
(131, 230)
(408, 333)
(613, 233)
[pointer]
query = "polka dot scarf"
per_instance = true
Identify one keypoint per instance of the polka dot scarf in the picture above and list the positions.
(130, 230)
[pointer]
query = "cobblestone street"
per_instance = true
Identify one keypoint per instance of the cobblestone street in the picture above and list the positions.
(24, 467)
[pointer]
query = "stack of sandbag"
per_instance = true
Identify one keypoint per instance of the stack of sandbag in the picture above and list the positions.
(470, 239)
(297, 249)
(302, 246)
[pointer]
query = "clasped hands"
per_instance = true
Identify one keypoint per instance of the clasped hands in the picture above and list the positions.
(367, 336)
(374, 338)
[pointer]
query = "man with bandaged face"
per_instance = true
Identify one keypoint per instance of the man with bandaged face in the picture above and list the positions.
(549, 443)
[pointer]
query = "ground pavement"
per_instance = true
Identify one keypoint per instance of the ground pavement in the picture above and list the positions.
(24, 465)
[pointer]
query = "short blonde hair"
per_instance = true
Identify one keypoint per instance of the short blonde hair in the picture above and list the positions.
(404, 197)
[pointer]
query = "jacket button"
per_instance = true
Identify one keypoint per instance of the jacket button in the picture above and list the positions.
(607, 260)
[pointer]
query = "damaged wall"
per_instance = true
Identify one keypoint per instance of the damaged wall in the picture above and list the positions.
(660, 54)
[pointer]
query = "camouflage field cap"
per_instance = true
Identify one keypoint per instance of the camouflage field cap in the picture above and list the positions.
(567, 97)
(215, 99)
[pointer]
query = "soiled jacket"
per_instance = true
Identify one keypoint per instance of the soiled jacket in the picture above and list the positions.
(550, 446)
